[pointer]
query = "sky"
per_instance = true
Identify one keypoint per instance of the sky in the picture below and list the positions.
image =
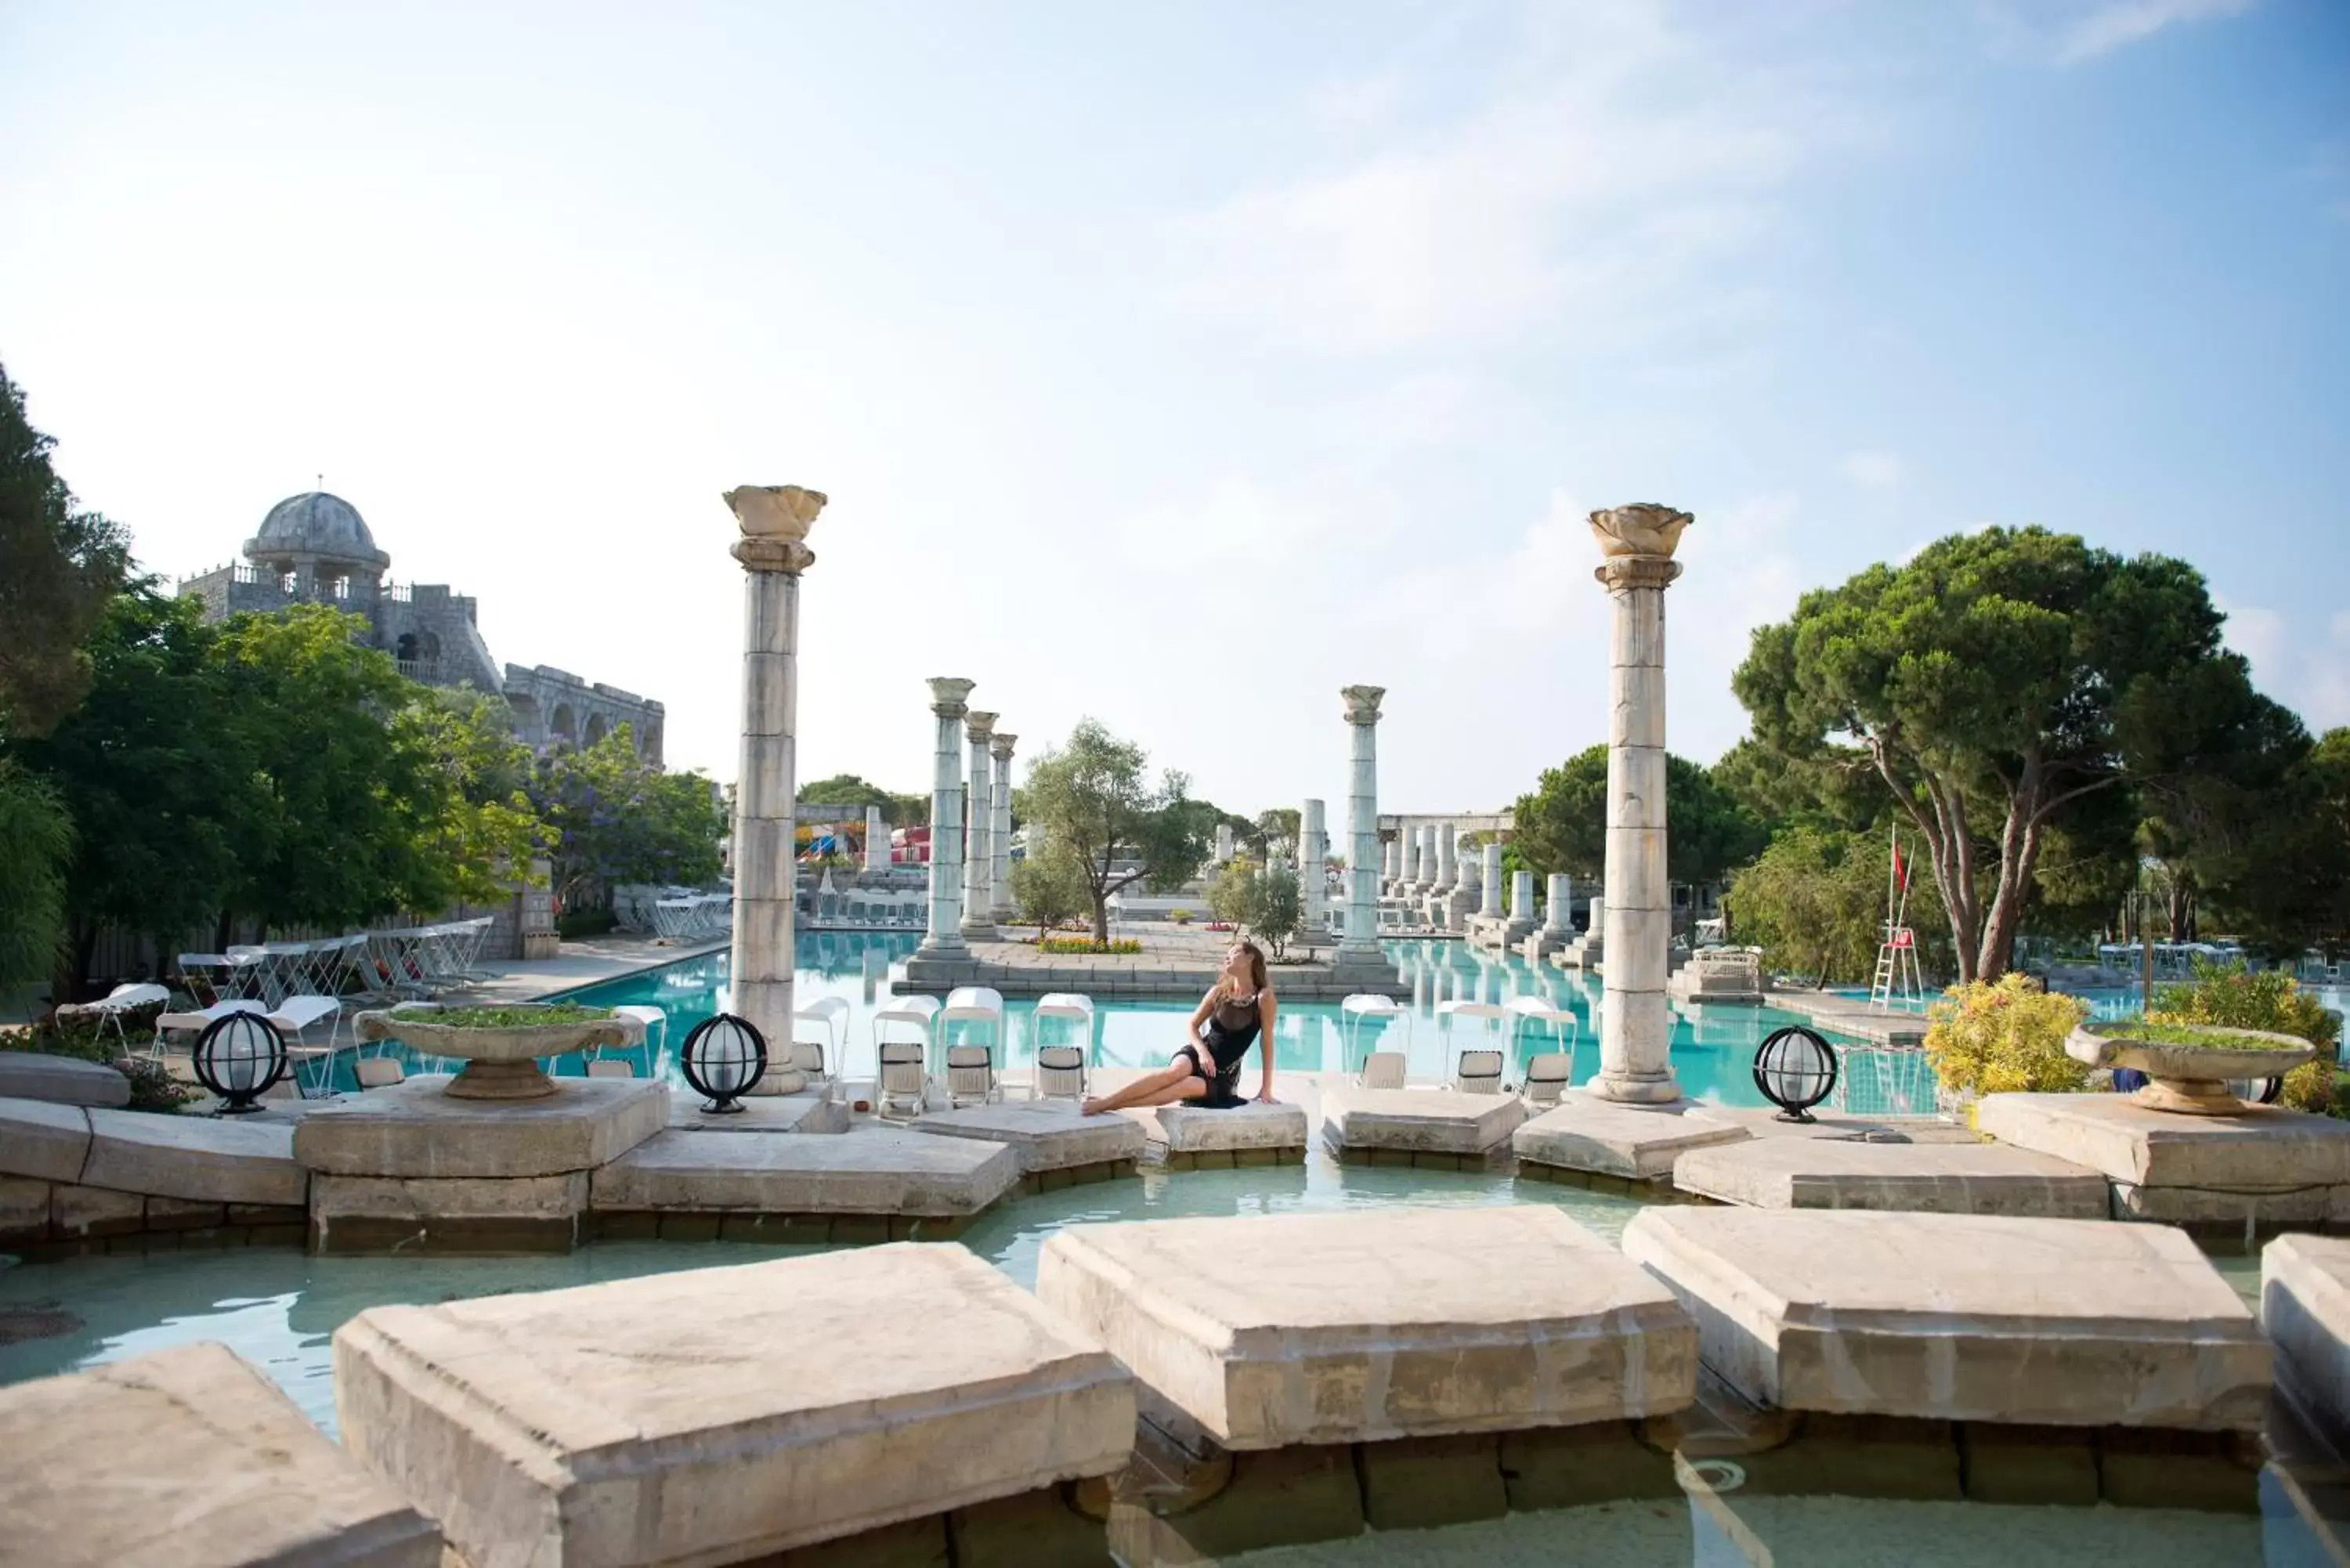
(1179, 365)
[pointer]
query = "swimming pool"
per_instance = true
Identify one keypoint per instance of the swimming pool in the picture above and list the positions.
(1712, 1046)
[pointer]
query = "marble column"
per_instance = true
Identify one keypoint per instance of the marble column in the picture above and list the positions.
(1635, 1029)
(1425, 883)
(979, 866)
(877, 840)
(1490, 880)
(1223, 841)
(1522, 898)
(944, 937)
(1558, 907)
(1391, 862)
(774, 520)
(999, 832)
(1447, 860)
(1361, 945)
(1312, 868)
(1409, 836)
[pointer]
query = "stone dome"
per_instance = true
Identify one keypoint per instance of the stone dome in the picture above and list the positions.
(315, 524)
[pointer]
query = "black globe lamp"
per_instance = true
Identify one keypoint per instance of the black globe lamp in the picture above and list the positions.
(238, 1056)
(721, 1059)
(1795, 1068)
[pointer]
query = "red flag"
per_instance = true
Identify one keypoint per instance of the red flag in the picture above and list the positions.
(1900, 869)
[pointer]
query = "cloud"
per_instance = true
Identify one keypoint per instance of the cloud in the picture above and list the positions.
(1873, 470)
(2118, 25)
(1619, 161)
(2314, 681)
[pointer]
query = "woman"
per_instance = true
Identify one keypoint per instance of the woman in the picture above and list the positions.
(1236, 1013)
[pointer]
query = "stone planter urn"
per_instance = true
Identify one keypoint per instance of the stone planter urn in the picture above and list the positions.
(2190, 1078)
(501, 1062)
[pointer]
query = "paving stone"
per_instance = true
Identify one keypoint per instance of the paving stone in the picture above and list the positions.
(414, 1129)
(24, 1211)
(802, 1113)
(2305, 1310)
(1925, 1177)
(867, 1171)
(1188, 1129)
(1045, 1135)
(178, 1214)
(1436, 1120)
(652, 1421)
(60, 1080)
(1270, 1330)
(1631, 1142)
(455, 1214)
(217, 1160)
(1952, 1316)
(80, 1212)
(2266, 1150)
(51, 1142)
(188, 1458)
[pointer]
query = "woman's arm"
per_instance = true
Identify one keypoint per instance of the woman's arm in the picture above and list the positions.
(1199, 1016)
(1264, 1013)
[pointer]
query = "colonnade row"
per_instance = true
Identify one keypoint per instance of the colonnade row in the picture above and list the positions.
(970, 850)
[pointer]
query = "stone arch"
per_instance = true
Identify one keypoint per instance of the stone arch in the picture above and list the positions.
(404, 649)
(428, 645)
(595, 729)
(563, 726)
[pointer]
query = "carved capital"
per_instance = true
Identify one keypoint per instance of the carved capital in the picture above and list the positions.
(947, 695)
(978, 726)
(1619, 573)
(1001, 747)
(1362, 703)
(1642, 529)
(789, 557)
(774, 511)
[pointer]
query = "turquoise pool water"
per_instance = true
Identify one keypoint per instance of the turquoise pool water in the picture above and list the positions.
(1712, 1047)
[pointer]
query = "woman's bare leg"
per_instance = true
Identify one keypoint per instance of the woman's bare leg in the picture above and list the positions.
(1191, 1087)
(1136, 1092)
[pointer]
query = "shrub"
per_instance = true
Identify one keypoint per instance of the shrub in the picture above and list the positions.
(2004, 1037)
(572, 924)
(2239, 998)
(1180, 917)
(1087, 945)
(153, 1087)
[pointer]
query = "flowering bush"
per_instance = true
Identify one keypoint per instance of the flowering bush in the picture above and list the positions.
(1087, 945)
(2004, 1037)
(2232, 995)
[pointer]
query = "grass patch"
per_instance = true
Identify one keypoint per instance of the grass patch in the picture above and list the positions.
(1087, 945)
(2217, 1036)
(508, 1017)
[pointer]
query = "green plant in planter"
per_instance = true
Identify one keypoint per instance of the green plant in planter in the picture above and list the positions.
(510, 1017)
(2004, 1037)
(2238, 998)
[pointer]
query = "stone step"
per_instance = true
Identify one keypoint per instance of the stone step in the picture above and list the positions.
(1275, 1330)
(1435, 1121)
(1961, 1316)
(2305, 1308)
(1045, 1135)
(868, 1169)
(1930, 1178)
(2266, 1164)
(1633, 1143)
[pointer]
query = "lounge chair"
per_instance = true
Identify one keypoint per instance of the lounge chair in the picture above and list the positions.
(611, 1068)
(1382, 1070)
(128, 997)
(383, 1072)
(971, 1076)
(1362, 1007)
(1478, 1072)
(903, 1082)
(1545, 1078)
(1060, 1072)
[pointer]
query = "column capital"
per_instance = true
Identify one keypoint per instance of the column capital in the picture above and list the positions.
(1000, 747)
(1362, 703)
(774, 520)
(1637, 542)
(1618, 573)
(978, 726)
(947, 695)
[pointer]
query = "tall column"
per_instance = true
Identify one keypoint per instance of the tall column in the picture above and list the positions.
(1559, 906)
(1522, 897)
(774, 520)
(1312, 868)
(1409, 836)
(944, 937)
(1390, 861)
(999, 837)
(1361, 945)
(877, 840)
(1425, 884)
(979, 865)
(1448, 861)
(1223, 841)
(1492, 880)
(1635, 546)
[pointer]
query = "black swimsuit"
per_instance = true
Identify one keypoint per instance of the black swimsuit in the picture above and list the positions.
(1227, 1033)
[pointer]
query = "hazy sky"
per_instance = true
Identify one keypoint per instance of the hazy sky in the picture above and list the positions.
(1181, 364)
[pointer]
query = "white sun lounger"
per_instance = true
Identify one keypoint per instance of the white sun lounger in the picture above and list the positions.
(1361, 1007)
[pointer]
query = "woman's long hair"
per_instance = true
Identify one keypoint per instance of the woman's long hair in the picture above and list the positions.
(1256, 962)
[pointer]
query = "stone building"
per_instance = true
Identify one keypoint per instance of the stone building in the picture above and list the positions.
(315, 549)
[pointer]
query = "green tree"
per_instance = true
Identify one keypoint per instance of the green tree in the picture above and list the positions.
(2277, 873)
(1094, 797)
(1275, 909)
(1229, 894)
(616, 818)
(36, 844)
(1814, 902)
(1049, 888)
(850, 789)
(479, 831)
(1563, 825)
(58, 566)
(1275, 832)
(1992, 683)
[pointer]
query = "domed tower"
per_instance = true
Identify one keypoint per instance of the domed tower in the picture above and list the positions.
(319, 546)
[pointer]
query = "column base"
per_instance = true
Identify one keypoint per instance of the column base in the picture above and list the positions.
(947, 946)
(979, 931)
(1635, 1089)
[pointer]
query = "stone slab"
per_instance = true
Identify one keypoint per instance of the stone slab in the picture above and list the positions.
(43, 1140)
(189, 1458)
(1193, 1129)
(1636, 1143)
(718, 1414)
(443, 1214)
(1440, 1121)
(1925, 1177)
(1045, 1135)
(1270, 1330)
(1961, 1316)
(413, 1128)
(2266, 1149)
(2305, 1310)
(765, 1113)
(60, 1080)
(866, 1170)
(208, 1160)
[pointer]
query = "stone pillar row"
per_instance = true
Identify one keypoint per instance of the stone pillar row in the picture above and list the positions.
(1559, 906)
(1491, 881)
(877, 840)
